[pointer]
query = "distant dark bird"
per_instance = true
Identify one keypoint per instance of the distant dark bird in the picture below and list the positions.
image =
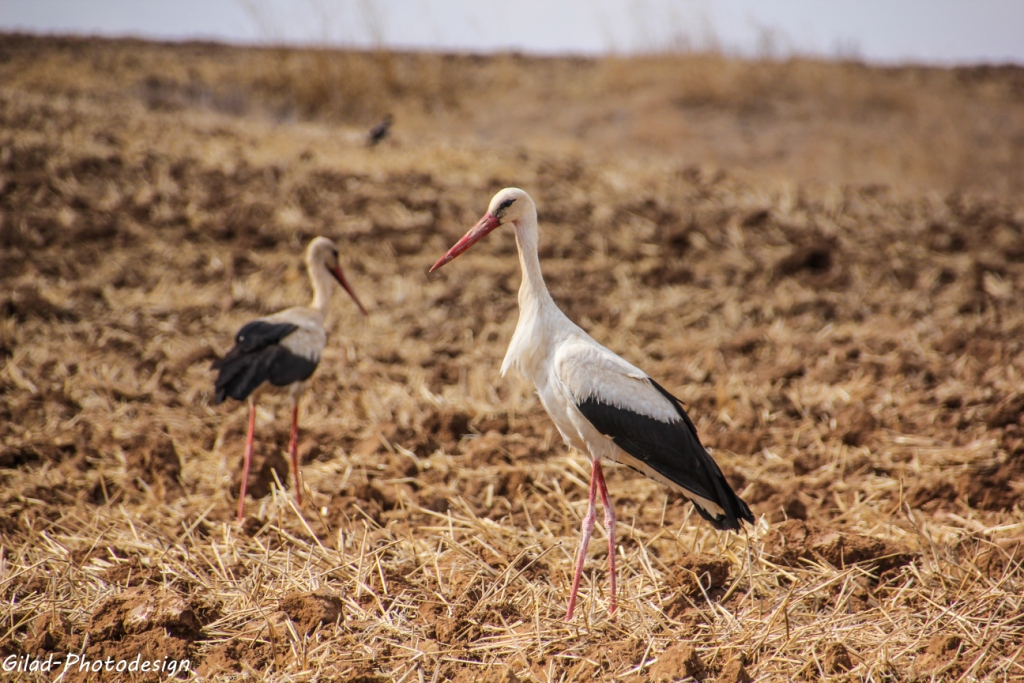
(601, 404)
(283, 350)
(380, 131)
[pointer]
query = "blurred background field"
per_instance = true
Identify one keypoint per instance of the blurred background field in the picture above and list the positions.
(822, 259)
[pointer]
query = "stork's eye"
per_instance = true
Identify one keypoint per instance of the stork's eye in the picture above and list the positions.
(505, 204)
(335, 252)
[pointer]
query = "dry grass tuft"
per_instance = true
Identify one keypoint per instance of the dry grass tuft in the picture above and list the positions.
(853, 353)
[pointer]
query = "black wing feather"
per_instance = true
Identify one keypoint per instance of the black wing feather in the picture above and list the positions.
(258, 357)
(260, 334)
(672, 449)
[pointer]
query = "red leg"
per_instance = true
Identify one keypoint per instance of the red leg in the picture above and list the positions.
(247, 461)
(588, 529)
(293, 451)
(609, 525)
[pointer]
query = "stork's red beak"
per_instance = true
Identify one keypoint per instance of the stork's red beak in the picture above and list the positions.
(475, 234)
(340, 277)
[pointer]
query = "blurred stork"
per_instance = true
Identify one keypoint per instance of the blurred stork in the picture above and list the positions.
(601, 404)
(283, 350)
(379, 131)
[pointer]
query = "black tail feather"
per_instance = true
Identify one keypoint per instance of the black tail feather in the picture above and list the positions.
(242, 373)
(239, 375)
(672, 450)
(736, 510)
(257, 357)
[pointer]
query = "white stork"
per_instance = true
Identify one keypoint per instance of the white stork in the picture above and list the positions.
(601, 404)
(284, 350)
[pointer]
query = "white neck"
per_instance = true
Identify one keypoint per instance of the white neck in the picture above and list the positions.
(323, 287)
(533, 293)
(530, 341)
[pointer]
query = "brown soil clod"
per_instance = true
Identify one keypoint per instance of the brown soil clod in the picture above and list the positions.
(235, 655)
(26, 302)
(153, 646)
(1001, 489)
(268, 462)
(740, 442)
(678, 661)
(312, 610)
(486, 450)
(48, 633)
(805, 463)
(855, 425)
(734, 672)
(814, 258)
(796, 540)
(789, 371)
(941, 654)
(493, 424)
(372, 495)
(138, 610)
(251, 526)
(128, 574)
(142, 623)
(158, 464)
(746, 342)
(1006, 412)
(512, 483)
(837, 659)
(456, 628)
(994, 559)
(444, 429)
(693, 573)
(775, 504)
(931, 497)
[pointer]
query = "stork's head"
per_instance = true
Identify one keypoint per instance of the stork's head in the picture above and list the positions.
(322, 254)
(508, 206)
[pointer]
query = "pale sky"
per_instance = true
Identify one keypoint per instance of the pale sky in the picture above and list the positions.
(886, 31)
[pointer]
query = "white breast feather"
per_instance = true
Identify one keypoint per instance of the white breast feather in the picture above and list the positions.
(306, 342)
(310, 339)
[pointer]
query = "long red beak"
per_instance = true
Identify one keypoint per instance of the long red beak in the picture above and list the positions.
(475, 234)
(340, 277)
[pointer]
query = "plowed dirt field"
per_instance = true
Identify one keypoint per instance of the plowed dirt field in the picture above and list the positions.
(824, 261)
